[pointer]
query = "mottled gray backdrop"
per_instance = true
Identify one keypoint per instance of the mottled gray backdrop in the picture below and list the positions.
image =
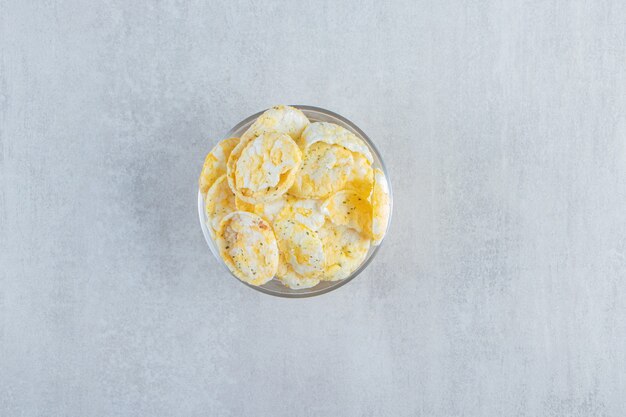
(500, 290)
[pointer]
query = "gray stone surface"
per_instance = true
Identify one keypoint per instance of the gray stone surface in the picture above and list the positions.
(500, 290)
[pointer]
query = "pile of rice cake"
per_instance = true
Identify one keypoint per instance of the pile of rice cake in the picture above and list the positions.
(294, 200)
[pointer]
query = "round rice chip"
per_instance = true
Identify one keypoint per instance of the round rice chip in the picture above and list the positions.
(265, 168)
(381, 207)
(219, 202)
(301, 247)
(291, 279)
(334, 135)
(344, 250)
(282, 119)
(304, 211)
(324, 170)
(348, 208)
(361, 176)
(215, 163)
(248, 246)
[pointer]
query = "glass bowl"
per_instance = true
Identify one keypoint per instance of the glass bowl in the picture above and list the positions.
(275, 287)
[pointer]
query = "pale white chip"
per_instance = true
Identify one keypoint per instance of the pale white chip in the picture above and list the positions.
(344, 249)
(361, 176)
(272, 209)
(291, 279)
(380, 207)
(300, 246)
(248, 247)
(307, 212)
(215, 163)
(265, 168)
(348, 208)
(281, 119)
(219, 202)
(324, 170)
(335, 135)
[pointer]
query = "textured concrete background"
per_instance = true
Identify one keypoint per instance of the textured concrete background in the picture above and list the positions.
(500, 290)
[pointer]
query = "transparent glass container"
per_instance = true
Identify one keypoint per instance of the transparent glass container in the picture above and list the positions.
(275, 287)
